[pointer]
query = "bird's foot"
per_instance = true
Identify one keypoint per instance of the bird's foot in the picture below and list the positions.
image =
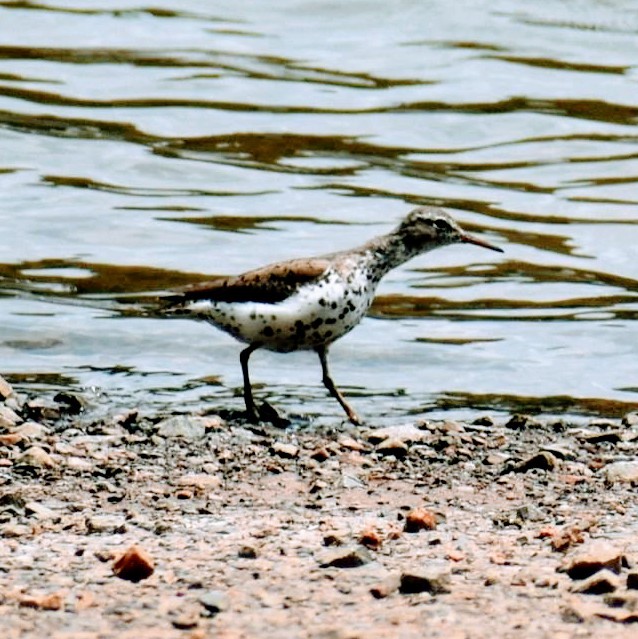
(268, 413)
(354, 418)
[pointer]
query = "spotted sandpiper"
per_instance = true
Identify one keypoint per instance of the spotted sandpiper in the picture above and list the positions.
(308, 303)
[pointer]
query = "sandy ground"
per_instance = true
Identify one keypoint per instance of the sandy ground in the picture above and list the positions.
(519, 527)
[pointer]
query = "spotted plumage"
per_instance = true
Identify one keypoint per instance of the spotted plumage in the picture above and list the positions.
(306, 304)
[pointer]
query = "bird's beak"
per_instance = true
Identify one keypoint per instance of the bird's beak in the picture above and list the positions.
(470, 239)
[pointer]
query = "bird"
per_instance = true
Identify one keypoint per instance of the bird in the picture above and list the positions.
(309, 303)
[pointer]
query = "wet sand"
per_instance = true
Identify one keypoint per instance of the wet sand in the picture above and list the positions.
(509, 527)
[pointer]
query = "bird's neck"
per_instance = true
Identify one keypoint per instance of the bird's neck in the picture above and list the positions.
(386, 252)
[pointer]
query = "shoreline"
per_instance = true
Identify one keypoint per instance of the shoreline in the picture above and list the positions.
(461, 529)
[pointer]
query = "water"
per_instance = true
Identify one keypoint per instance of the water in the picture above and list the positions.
(144, 147)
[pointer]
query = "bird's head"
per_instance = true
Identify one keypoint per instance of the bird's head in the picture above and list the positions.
(427, 227)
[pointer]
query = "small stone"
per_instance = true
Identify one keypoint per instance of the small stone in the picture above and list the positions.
(419, 519)
(404, 433)
(611, 436)
(386, 587)
(544, 460)
(522, 422)
(630, 420)
(79, 464)
(32, 430)
(632, 581)
(286, 451)
(201, 482)
(592, 558)
(41, 410)
(247, 552)
(71, 403)
(599, 583)
(622, 472)
(10, 439)
(394, 447)
(214, 601)
(99, 524)
(8, 417)
(184, 426)
(6, 389)
(36, 457)
(134, 565)
(39, 511)
(370, 538)
(434, 580)
(351, 444)
(320, 455)
(46, 602)
(346, 557)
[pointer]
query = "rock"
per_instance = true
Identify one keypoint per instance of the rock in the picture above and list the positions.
(544, 460)
(630, 420)
(404, 433)
(10, 439)
(370, 538)
(70, 402)
(39, 511)
(98, 524)
(611, 436)
(201, 482)
(32, 430)
(247, 552)
(8, 417)
(522, 422)
(346, 557)
(419, 519)
(320, 455)
(622, 471)
(433, 580)
(386, 587)
(46, 602)
(36, 457)
(632, 581)
(214, 601)
(134, 565)
(6, 390)
(183, 426)
(599, 583)
(41, 410)
(286, 451)
(394, 447)
(591, 558)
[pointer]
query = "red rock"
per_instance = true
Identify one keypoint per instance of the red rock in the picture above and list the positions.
(134, 565)
(45, 602)
(370, 538)
(5, 388)
(419, 519)
(595, 556)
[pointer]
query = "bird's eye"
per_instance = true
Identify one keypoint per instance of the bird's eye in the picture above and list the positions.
(442, 225)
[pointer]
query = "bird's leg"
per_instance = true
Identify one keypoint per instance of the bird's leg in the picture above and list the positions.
(251, 408)
(328, 382)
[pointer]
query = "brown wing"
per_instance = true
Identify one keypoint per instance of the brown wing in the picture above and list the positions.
(269, 284)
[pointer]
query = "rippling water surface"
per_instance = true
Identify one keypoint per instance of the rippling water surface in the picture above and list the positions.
(148, 146)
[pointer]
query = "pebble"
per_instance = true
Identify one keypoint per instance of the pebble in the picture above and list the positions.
(183, 426)
(36, 457)
(46, 602)
(522, 422)
(214, 601)
(39, 511)
(134, 565)
(433, 580)
(544, 460)
(8, 417)
(286, 451)
(98, 524)
(200, 481)
(386, 587)
(346, 557)
(38, 409)
(630, 420)
(632, 581)
(599, 583)
(419, 519)
(404, 433)
(6, 389)
(394, 447)
(622, 471)
(32, 430)
(592, 558)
